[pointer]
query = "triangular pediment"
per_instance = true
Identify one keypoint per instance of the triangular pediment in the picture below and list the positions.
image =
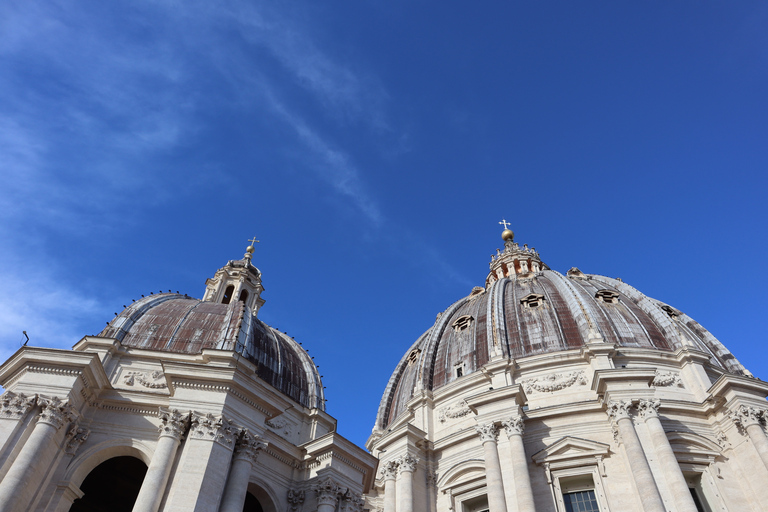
(571, 449)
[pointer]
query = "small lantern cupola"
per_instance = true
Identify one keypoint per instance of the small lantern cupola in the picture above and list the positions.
(238, 280)
(513, 260)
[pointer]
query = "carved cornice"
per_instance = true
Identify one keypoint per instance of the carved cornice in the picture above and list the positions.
(75, 437)
(487, 432)
(173, 423)
(514, 426)
(389, 470)
(554, 382)
(455, 410)
(295, 499)
(327, 492)
(213, 428)
(648, 408)
(248, 447)
(618, 410)
(407, 463)
(746, 416)
(15, 406)
(54, 411)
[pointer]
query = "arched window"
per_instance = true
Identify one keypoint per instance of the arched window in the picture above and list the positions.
(112, 485)
(244, 295)
(228, 294)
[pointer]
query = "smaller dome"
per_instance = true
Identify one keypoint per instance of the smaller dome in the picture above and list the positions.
(170, 322)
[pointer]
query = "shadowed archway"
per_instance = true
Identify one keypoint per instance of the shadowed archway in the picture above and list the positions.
(112, 486)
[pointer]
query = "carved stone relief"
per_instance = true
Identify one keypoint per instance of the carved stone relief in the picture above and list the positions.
(14, 405)
(295, 499)
(147, 379)
(667, 379)
(554, 382)
(453, 411)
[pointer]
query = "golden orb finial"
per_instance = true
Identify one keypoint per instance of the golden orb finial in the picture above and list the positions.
(250, 248)
(507, 234)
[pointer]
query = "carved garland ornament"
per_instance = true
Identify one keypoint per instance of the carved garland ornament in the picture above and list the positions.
(667, 379)
(555, 382)
(151, 380)
(453, 411)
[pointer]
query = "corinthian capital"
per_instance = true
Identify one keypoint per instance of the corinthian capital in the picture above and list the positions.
(745, 416)
(619, 409)
(327, 492)
(514, 426)
(407, 463)
(173, 423)
(54, 411)
(248, 447)
(214, 428)
(389, 470)
(487, 432)
(648, 408)
(15, 406)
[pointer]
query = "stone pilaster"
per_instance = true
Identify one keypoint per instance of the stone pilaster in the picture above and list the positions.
(750, 419)
(173, 424)
(389, 473)
(406, 466)
(246, 451)
(514, 427)
(494, 482)
(619, 411)
(327, 492)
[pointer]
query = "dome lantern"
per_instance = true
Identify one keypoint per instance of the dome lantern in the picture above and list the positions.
(514, 260)
(237, 280)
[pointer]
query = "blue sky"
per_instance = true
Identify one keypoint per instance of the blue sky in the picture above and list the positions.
(373, 147)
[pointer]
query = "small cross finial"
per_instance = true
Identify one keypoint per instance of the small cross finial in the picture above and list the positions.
(249, 250)
(505, 223)
(254, 241)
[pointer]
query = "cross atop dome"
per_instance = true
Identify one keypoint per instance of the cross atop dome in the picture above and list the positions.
(507, 234)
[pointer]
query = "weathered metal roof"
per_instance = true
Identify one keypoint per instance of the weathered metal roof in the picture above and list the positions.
(537, 313)
(177, 323)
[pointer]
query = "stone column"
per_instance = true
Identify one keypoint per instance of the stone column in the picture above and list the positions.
(641, 471)
(327, 495)
(514, 428)
(406, 466)
(21, 481)
(649, 411)
(13, 407)
(172, 426)
(749, 418)
(389, 472)
(246, 451)
(496, 500)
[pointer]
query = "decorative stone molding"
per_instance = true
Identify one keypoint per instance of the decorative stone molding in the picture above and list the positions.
(15, 406)
(554, 382)
(745, 416)
(389, 470)
(618, 410)
(648, 408)
(487, 432)
(152, 380)
(213, 428)
(248, 447)
(407, 463)
(295, 499)
(667, 379)
(327, 492)
(173, 423)
(55, 411)
(514, 426)
(75, 437)
(431, 478)
(722, 439)
(453, 411)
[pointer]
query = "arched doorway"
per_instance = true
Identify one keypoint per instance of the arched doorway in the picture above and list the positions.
(112, 486)
(252, 504)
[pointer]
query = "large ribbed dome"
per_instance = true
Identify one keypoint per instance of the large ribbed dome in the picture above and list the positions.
(177, 323)
(528, 310)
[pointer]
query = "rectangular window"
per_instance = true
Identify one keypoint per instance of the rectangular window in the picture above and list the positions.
(582, 501)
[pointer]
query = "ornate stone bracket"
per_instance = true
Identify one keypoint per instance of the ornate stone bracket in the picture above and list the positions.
(214, 428)
(453, 411)
(173, 423)
(295, 499)
(487, 432)
(667, 379)
(75, 437)
(152, 380)
(514, 426)
(554, 382)
(15, 406)
(55, 411)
